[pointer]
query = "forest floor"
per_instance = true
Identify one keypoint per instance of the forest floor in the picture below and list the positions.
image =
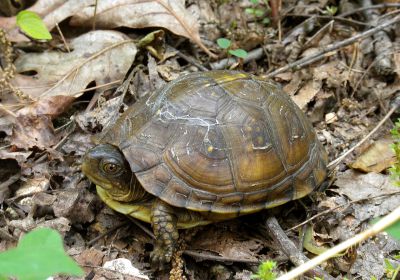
(334, 59)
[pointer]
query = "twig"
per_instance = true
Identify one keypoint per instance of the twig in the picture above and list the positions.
(290, 249)
(374, 230)
(382, 43)
(189, 59)
(345, 205)
(142, 227)
(396, 105)
(331, 47)
(338, 18)
(96, 87)
(14, 178)
(94, 240)
(95, 14)
(379, 6)
(210, 257)
(63, 38)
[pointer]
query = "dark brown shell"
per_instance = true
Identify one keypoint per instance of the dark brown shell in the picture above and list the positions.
(220, 141)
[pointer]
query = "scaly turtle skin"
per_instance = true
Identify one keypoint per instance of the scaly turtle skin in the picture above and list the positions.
(207, 147)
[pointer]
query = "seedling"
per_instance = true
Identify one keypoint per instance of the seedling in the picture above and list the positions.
(225, 44)
(259, 10)
(266, 271)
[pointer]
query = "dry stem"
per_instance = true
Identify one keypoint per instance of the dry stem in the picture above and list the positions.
(374, 230)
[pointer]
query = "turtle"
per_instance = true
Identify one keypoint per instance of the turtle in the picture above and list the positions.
(207, 147)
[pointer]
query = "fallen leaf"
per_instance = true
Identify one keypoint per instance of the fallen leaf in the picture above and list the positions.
(227, 244)
(74, 205)
(356, 185)
(124, 266)
(307, 93)
(99, 56)
(377, 158)
(169, 14)
(33, 186)
(90, 257)
(33, 131)
(51, 106)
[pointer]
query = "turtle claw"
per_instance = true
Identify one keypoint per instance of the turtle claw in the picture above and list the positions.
(160, 257)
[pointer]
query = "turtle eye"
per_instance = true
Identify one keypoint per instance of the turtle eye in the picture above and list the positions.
(111, 168)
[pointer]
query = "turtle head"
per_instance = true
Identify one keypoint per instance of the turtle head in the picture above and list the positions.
(107, 167)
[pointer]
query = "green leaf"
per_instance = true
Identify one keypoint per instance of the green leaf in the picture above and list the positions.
(255, 2)
(388, 265)
(32, 25)
(265, 271)
(250, 11)
(259, 12)
(224, 43)
(39, 254)
(394, 230)
(266, 21)
(238, 53)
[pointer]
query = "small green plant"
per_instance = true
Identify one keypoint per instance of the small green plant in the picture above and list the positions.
(390, 270)
(32, 25)
(225, 44)
(330, 10)
(39, 255)
(266, 271)
(259, 10)
(395, 169)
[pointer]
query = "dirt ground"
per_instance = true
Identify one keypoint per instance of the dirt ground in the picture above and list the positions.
(338, 60)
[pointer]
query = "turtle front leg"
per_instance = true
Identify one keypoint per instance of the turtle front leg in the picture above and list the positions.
(164, 223)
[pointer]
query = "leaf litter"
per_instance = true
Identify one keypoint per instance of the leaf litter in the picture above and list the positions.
(341, 95)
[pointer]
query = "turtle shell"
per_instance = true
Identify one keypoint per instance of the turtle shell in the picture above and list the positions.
(220, 141)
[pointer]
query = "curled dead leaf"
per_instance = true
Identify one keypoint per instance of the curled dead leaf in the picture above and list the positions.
(169, 14)
(377, 158)
(99, 56)
(31, 131)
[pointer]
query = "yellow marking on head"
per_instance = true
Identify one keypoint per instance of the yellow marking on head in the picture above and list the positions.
(210, 149)
(260, 140)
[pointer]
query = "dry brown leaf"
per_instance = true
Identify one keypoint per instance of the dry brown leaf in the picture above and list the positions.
(307, 93)
(100, 56)
(51, 106)
(169, 14)
(356, 186)
(33, 125)
(378, 157)
(227, 244)
(33, 131)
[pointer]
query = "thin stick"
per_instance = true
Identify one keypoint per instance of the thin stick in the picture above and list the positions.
(289, 248)
(335, 162)
(379, 6)
(338, 18)
(374, 230)
(331, 47)
(63, 38)
(210, 257)
(344, 205)
(94, 15)
(94, 240)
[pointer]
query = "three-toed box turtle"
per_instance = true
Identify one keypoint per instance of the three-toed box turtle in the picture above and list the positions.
(207, 147)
